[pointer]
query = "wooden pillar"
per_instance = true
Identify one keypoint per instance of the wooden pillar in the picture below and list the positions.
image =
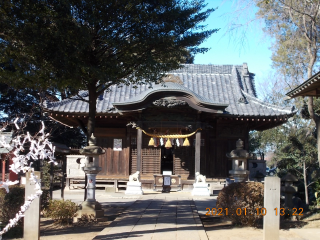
(3, 169)
(51, 179)
(139, 146)
(63, 179)
(128, 150)
(197, 152)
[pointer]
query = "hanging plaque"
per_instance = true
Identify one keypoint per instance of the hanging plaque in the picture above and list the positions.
(117, 144)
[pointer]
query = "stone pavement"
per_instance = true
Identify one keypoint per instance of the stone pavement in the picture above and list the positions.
(157, 219)
(170, 216)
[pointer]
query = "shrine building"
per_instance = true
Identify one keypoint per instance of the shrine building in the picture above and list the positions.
(181, 127)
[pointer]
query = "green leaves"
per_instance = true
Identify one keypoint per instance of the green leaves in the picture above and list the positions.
(61, 43)
(77, 44)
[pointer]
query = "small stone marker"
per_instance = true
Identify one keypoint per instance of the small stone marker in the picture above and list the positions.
(31, 228)
(271, 221)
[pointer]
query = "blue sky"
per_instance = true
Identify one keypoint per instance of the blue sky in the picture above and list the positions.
(223, 50)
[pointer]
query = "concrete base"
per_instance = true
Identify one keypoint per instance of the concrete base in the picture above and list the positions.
(134, 188)
(90, 208)
(200, 189)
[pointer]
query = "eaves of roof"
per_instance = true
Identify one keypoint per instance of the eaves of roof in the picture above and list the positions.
(310, 87)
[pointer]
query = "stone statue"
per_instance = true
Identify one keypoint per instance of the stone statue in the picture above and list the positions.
(200, 187)
(134, 185)
(200, 178)
(134, 177)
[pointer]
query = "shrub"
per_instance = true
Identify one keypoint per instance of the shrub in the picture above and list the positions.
(242, 195)
(61, 211)
(10, 204)
(44, 199)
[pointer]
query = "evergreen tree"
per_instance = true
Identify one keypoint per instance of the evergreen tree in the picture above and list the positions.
(25, 104)
(94, 44)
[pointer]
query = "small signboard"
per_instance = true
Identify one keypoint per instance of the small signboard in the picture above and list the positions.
(117, 144)
(166, 180)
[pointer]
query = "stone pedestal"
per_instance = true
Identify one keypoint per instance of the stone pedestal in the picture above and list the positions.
(200, 189)
(90, 208)
(239, 175)
(91, 186)
(134, 188)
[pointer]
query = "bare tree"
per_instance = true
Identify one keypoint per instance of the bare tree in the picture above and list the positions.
(294, 27)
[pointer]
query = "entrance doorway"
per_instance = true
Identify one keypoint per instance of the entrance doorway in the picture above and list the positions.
(166, 159)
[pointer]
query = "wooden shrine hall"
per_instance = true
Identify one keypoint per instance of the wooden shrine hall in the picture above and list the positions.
(183, 126)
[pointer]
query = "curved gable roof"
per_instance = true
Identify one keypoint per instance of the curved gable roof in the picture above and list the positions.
(209, 85)
(170, 89)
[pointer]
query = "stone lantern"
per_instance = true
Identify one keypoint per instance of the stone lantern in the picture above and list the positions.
(91, 168)
(288, 189)
(239, 158)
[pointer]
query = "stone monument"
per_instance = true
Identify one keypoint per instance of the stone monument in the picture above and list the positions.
(239, 158)
(31, 228)
(91, 167)
(271, 203)
(200, 187)
(134, 185)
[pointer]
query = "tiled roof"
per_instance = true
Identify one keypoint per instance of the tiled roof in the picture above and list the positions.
(308, 88)
(168, 86)
(219, 84)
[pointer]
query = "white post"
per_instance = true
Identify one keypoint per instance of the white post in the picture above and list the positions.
(271, 219)
(31, 227)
